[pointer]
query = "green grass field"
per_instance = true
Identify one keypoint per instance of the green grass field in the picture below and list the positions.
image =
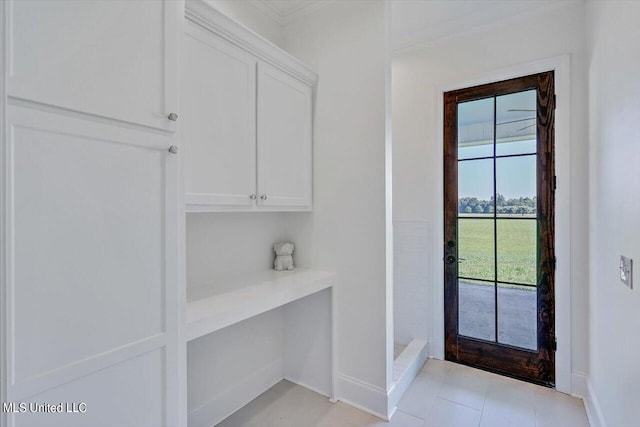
(516, 250)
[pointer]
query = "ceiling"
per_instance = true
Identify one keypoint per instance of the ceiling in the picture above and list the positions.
(415, 22)
(285, 11)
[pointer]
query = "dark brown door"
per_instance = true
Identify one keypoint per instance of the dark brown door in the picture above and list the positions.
(499, 225)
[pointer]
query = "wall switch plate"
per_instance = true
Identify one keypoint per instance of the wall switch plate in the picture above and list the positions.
(626, 271)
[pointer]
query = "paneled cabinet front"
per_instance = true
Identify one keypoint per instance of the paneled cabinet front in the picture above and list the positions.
(284, 140)
(218, 96)
(111, 59)
(246, 129)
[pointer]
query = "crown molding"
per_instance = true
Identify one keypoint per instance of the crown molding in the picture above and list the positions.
(285, 17)
(208, 17)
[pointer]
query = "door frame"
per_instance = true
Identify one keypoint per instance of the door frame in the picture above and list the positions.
(561, 66)
(494, 355)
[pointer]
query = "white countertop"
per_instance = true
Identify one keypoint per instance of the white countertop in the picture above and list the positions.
(249, 295)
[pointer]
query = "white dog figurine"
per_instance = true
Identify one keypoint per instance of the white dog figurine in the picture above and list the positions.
(284, 260)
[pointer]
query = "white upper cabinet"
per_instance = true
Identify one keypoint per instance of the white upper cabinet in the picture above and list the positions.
(246, 122)
(284, 139)
(113, 59)
(218, 93)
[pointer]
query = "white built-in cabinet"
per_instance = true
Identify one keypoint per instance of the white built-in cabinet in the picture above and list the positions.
(90, 212)
(247, 127)
(218, 127)
(284, 140)
(108, 59)
(95, 158)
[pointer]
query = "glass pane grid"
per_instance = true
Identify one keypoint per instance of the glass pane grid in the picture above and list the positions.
(497, 235)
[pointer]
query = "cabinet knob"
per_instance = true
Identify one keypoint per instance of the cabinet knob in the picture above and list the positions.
(252, 196)
(173, 149)
(263, 197)
(173, 117)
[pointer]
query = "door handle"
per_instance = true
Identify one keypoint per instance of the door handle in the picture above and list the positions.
(451, 259)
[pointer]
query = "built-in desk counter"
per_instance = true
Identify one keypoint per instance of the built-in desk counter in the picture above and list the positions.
(247, 296)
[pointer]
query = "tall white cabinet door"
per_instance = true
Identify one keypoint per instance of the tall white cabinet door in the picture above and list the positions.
(92, 293)
(218, 96)
(114, 59)
(284, 140)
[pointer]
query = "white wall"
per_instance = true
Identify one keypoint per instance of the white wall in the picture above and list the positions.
(344, 43)
(411, 300)
(614, 135)
(251, 17)
(221, 245)
(221, 365)
(419, 74)
(228, 368)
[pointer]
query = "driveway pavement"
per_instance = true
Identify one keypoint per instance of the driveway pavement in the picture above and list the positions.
(517, 320)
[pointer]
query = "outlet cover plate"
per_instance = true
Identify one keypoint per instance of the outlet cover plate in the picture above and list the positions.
(626, 271)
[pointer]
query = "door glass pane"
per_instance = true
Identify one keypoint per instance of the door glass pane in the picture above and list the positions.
(476, 309)
(475, 188)
(475, 128)
(517, 316)
(476, 248)
(516, 123)
(516, 186)
(517, 250)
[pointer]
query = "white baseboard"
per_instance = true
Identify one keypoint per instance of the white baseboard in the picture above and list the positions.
(591, 404)
(406, 368)
(362, 395)
(582, 387)
(579, 385)
(236, 396)
(307, 386)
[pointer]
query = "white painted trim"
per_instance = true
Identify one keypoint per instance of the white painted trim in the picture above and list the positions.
(202, 208)
(172, 36)
(413, 357)
(362, 395)
(88, 117)
(203, 14)
(388, 178)
(334, 345)
(20, 390)
(236, 396)
(561, 66)
(4, 250)
(183, 410)
(307, 386)
(583, 388)
(283, 18)
(579, 384)
(592, 406)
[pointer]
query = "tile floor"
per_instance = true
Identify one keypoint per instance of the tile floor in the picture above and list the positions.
(444, 394)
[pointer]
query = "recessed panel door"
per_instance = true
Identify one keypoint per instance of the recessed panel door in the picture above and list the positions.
(112, 59)
(92, 291)
(284, 140)
(218, 98)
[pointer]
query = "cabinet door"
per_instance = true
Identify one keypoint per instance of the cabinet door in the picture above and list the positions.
(92, 307)
(218, 97)
(284, 140)
(113, 59)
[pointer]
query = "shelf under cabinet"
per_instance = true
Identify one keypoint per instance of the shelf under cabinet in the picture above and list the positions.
(246, 296)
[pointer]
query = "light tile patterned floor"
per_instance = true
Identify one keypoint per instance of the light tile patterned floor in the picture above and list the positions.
(443, 395)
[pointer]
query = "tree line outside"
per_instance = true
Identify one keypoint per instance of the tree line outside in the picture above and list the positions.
(515, 206)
